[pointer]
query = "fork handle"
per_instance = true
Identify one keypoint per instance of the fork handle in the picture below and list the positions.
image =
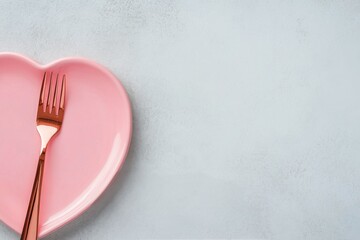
(30, 229)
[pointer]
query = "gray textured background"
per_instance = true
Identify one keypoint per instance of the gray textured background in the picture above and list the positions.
(246, 117)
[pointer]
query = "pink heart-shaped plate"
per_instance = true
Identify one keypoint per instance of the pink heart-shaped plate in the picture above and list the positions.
(85, 156)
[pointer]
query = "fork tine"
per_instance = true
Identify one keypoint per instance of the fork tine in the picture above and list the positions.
(49, 91)
(42, 91)
(55, 93)
(63, 91)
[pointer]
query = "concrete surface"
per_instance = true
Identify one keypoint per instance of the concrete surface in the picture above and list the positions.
(246, 117)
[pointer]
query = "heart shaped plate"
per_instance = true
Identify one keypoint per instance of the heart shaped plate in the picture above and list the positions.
(81, 161)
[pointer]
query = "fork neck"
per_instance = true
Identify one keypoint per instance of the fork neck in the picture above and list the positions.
(46, 133)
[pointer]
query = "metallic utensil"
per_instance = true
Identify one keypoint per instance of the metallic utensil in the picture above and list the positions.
(49, 120)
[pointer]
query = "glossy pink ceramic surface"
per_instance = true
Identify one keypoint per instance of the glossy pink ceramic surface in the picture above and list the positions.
(82, 159)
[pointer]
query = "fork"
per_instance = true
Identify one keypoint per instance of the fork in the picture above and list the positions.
(49, 119)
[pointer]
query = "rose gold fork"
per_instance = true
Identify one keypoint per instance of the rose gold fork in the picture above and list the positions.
(49, 120)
